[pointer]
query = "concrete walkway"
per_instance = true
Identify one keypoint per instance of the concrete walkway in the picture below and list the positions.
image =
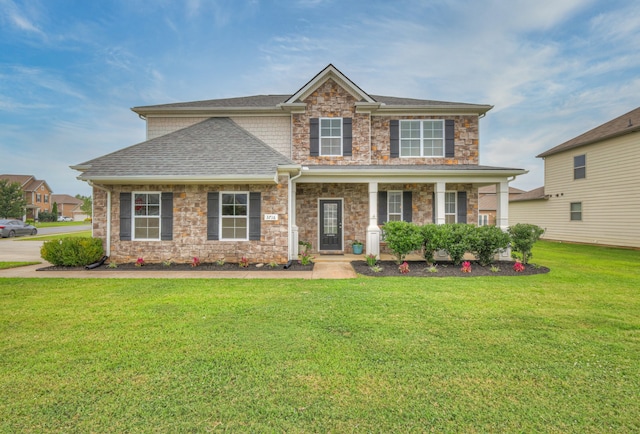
(15, 250)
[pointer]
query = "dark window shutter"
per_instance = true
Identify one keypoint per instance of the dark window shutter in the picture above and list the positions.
(254, 216)
(394, 134)
(166, 223)
(346, 137)
(407, 206)
(213, 215)
(449, 141)
(462, 207)
(433, 207)
(314, 137)
(382, 207)
(125, 216)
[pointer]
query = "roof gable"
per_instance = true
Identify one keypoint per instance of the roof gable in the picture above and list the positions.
(330, 72)
(625, 124)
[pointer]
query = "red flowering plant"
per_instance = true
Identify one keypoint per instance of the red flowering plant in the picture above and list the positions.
(403, 268)
(244, 262)
(466, 267)
(195, 262)
(140, 262)
(518, 267)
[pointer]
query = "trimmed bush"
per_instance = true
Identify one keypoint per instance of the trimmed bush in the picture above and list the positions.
(455, 240)
(72, 251)
(431, 241)
(486, 241)
(402, 238)
(523, 237)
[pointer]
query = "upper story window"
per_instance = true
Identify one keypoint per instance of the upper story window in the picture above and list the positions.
(234, 216)
(422, 138)
(46, 198)
(394, 206)
(146, 216)
(579, 167)
(331, 136)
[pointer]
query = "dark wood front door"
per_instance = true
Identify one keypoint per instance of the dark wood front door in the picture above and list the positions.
(331, 224)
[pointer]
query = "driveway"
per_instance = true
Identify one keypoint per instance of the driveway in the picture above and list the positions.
(23, 249)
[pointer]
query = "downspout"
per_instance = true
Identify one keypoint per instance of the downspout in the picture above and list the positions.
(99, 187)
(291, 212)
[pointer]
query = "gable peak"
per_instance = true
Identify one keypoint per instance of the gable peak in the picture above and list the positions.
(330, 72)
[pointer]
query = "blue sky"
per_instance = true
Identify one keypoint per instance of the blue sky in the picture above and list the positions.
(71, 70)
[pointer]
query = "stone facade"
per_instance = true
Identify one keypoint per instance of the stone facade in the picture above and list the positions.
(190, 226)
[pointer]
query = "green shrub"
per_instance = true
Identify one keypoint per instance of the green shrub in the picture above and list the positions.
(455, 240)
(523, 237)
(72, 251)
(486, 241)
(402, 238)
(431, 241)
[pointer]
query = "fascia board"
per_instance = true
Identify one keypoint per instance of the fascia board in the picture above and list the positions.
(212, 111)
(435, 109)
(225, 179)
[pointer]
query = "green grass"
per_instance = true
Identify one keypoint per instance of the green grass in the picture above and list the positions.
(86, 234)
(6, 265)
(58, 224)
(558, 352)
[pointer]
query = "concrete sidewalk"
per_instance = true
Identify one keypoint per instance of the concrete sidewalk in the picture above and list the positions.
(11, 250)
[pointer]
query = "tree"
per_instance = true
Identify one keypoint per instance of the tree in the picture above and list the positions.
(87, 204)
(54, 209)
(12, 201)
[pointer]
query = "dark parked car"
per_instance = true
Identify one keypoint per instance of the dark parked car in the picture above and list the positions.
(15, 228)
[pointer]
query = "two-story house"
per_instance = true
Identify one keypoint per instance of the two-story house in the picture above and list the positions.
(253, 176)
(591, 190)
(37, 193)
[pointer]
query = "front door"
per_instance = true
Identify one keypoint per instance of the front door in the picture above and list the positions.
(330, 224)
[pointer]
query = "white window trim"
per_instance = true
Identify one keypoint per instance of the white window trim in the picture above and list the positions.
(222, 216)
(320, 137)
(134, 217)
(571, 212)
(455, 200)
(482, 218)
(579, 167)
(421, 138)
(401, 204)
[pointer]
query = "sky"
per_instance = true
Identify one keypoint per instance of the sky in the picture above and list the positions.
(71, 70)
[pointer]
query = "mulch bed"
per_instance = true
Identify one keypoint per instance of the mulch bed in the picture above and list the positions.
(205, 266)
(445, 269)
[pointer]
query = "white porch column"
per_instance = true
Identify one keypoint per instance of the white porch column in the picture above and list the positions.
(502, 205)
(373, 231)
(439, 197)
(293, 245)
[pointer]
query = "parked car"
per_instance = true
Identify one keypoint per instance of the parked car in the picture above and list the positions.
(15, 228)
(65, 219)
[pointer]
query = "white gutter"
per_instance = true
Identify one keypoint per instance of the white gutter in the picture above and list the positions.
(108, 249)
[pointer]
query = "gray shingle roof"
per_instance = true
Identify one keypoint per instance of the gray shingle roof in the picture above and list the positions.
(211, 149)
(535, 194)
(625, 124)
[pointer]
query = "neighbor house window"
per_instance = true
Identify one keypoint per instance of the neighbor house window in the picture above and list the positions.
(579, 167)
(38, 197)
(424, 138)
(234, 216)
(576, 211)
(483, 219)
(331, 136)
(394, 206)
(46, 198)
(146, 216)
(450, 207)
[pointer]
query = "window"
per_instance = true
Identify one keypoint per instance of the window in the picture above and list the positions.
(579, 167)
(450, 207)
(576, 211)
(46, 198)
(331, 136)
(234, 216)
(38, 197)
(146, 216)
(394, 206)
(483, 219)
(422, 138)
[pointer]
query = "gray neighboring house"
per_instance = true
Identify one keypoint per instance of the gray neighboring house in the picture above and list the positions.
(591, 191)
(252, 176)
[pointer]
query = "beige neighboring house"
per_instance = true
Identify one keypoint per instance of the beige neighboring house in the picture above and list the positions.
(591, 190)
(252, 176)
(488, 203)
(68, 206)
(37, 193)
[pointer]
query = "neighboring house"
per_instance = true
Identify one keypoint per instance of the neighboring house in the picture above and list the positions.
(251, 176)
(68, 206)
(37, 193)
(591, 190)
(488, 203)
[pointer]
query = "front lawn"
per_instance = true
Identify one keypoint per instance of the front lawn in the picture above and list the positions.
(557, 352)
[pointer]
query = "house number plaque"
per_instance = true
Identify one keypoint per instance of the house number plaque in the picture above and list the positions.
(272, 217)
